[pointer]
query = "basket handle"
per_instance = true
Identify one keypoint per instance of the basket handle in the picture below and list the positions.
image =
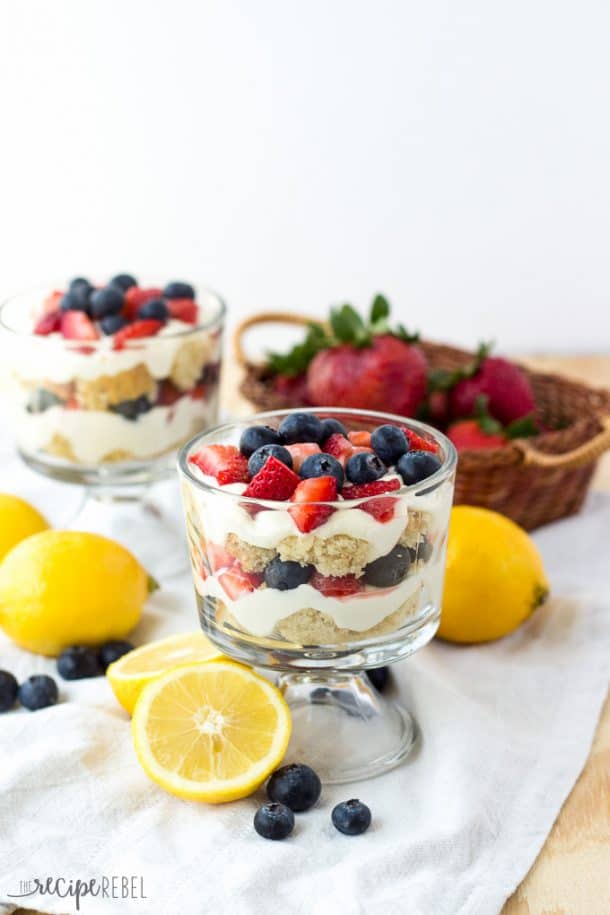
(265, 317)
(578, 457)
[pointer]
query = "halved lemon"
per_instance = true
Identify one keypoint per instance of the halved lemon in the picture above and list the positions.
(129, 675)
(210, 732)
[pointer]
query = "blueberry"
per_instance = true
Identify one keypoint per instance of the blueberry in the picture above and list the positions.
(379, 677)
(131, 409)
(74, 301)
(112, 323)
(295, 785)
(107, 301)
(322, 465)
(423, 550)
(112, 651)
(78, 662)
(274, 821)
(389, 442)
(178, 290)
(80, 291)
(388, 570)
(330, 427)
(283, 576)
(254, 437)
(415, 466)
(8, 690)
(154, 308)
(40, 400)
(124, 281)
(38, 691)
(352, 817)
(364, 467)
(259, 458)
(301, 427)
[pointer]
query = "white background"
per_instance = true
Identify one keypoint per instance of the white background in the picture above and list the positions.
(455, 155)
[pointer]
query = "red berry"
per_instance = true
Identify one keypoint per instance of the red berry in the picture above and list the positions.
(135, 297)
(168, 393)
(50, 323)
(308, 515)
(236, 583)
(183, 310)
(380, 509)
(293, 389)
(300, 451)
(75, 325)
(418, 442)
(468, 435)
(223, 462)
(51, 303)
(218, 557)
(360, 438)
(340, 448)
(273, 481)
(135, 331)
(334, 586)
(505, 386)
(198, 392)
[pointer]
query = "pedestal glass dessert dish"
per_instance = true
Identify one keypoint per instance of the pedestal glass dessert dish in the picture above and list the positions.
(315, 559)
(105, 384)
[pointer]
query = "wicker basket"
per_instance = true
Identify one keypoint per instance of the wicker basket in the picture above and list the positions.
(533, 481)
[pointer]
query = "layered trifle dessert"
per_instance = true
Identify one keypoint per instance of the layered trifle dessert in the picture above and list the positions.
(123, 372)
(308, 529)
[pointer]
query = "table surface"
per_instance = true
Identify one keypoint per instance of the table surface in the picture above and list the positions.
(570, 875)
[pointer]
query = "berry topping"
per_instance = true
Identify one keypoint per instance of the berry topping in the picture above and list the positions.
(335, 585)
(132, 409)
(379, 677)
(418, 442)
(8, 690)
(284, 576)
(223, 462)
(273, 481)
(306, 514)
(254, 437)
(136, 330)
(38, 691)
(112, 651)
(382, 509)
(260, 457)
(168, 393)
(107, 301)
(236, 583)
(78, 662)
(177, 290)
(274, 821)
(301, 427)
(360, 438)
(52, 302)
(364, 467)
(48, 324)
(155, 308)
(136, 297)
(352, 817)
(300, 451)
(112, 323)
(183, 310)
(75, 325)
(415, 466)
(124, 281)
(73, 301)
(388, 570)
(339, 447)
(296, 785)
(218, 557)
(389, 443)
(323, 465)
(332, 426)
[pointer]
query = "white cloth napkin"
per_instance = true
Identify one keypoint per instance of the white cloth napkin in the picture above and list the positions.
(506, 731)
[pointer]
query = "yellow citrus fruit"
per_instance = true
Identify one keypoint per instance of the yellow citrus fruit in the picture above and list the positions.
(130, 674)
(18, 520)
(61, 588)
(210, 732)
(494, 578)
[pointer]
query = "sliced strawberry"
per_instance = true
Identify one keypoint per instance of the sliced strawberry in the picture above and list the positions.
(223, 462)
(198, 392)
(236, 583)
(218, 557)
(183, 310)
(146, 328)
(50, 323)
(135, 297)
(381, 509)
(340, 448)
(51, 303)
(273, 481)
(300, 451)
(360, 438)
(168, 393)
(418, 442)
(308, 515)
(334, 586)
(75, 325)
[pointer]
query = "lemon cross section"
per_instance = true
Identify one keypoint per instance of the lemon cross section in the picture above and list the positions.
(210, 731)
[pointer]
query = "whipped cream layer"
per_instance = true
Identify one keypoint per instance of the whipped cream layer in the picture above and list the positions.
(92, 434)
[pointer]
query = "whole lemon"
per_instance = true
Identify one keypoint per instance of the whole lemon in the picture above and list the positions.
(494, 578)
(61, 588)
(18, 520)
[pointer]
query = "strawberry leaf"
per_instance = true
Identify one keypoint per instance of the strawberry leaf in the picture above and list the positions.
(487, 423)
(298, 358)
(348, 326)
(380, 309)
(524, 427)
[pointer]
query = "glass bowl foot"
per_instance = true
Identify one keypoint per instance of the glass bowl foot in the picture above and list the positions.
(343, 728)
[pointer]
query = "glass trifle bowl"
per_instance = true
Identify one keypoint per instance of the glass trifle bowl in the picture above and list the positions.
(105, 384)
(316, 560)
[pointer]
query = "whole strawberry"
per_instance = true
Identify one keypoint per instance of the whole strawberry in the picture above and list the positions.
(506, 387)
(467, 434)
